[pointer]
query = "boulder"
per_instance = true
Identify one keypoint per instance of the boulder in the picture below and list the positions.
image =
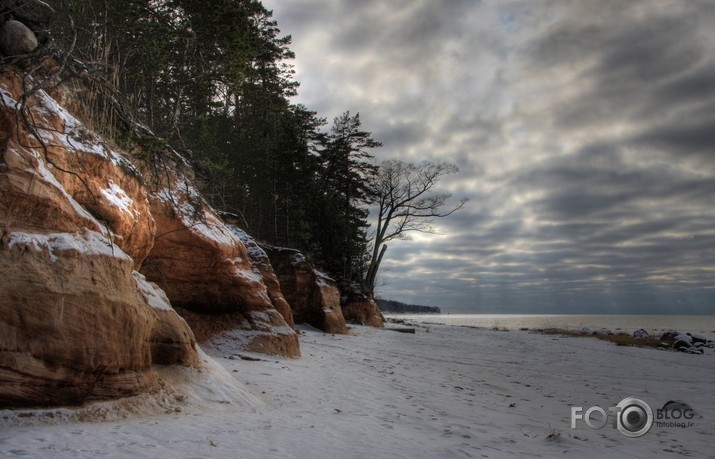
(640, 333)
(16, 39)
(669, 335)
(314, 297)
(35, 14)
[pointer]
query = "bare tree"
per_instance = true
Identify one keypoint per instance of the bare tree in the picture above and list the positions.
(406, 203)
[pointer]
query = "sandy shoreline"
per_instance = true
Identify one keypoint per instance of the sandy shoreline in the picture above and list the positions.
(445, 391)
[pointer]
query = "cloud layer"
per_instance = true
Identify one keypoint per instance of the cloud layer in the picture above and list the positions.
(584, 131)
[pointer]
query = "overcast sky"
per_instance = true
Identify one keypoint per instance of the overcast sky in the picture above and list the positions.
(584, 132)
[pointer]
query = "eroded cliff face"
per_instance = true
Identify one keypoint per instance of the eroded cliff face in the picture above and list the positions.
(314, 297)
(203, 266)
(262, 266)
(363, 311)
(77, 321)
(80, 228)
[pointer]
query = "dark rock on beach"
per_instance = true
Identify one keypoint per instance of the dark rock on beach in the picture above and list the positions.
(640, 333)
(671, 334)
(689, 343)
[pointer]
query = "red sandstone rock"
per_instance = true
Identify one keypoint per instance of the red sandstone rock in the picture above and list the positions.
(262, 266)
(251, 331)
(202, 265)
(363, 312)
(313, 296)
(103, 183)
(76, 321)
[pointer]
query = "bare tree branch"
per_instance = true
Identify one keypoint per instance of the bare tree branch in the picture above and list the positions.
(406, 203)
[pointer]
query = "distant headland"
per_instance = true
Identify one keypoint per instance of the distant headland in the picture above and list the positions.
(396, 306)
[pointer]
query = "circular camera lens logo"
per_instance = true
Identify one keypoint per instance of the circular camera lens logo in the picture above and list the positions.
(635, 417)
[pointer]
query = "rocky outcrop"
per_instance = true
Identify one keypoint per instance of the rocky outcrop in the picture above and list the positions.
(313, 296)
(92, 251)
(77, 321)
(262, 332)
(358, 308)
(363, 311)
(691, 343)
(91, 185)
(262, 266)
(201, 264)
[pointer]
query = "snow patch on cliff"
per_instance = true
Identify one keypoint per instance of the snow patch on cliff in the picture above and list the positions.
(155, 297)
(52, 245)
(117, 197)
(255, 252)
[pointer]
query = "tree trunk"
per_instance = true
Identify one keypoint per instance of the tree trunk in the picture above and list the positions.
(372, 272)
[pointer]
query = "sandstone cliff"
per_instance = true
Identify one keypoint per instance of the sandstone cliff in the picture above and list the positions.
(77, 321)
(313, 296)
(78, 223)
(262, 267)
(202, 265)
(363, 311)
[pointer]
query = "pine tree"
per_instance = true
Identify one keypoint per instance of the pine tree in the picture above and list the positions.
(215, 80)
(346, 174)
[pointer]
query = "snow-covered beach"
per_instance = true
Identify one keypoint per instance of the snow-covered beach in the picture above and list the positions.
(444, 391)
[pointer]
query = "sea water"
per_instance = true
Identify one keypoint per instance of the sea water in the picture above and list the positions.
(617, 323)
